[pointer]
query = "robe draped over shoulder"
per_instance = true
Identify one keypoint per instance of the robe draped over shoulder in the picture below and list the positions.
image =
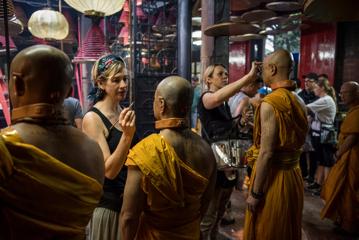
(341, 189)
(41, 197)
(283, 201)
(173, 191)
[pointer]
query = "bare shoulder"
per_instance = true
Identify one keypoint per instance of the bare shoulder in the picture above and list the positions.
(204, 146)
(267, 116)
(202, 154)
(89, 155)
(266, 110)
(93, 126)
(209, 100)
(91, 119)
(67, 144)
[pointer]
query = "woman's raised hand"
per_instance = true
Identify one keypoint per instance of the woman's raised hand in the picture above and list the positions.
(127, 120)
(255, 69)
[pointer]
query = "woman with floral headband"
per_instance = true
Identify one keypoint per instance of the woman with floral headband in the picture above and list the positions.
(113, 128)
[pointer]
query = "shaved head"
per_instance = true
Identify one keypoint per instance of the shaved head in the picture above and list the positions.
(349, 93)
(40, 74)
(277, 66)
(352, 87)
(281, 58)
(177, 95)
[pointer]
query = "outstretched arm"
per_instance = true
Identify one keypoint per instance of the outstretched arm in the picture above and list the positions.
(269, 129)
(212, 100)
(134, 200)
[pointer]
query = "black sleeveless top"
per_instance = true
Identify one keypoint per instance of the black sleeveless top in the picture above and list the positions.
(217, 122)
(112, 188)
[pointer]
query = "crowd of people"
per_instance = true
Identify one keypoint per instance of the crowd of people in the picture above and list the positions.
(62, 178)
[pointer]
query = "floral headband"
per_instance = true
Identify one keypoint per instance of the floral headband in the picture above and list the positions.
(106, 61)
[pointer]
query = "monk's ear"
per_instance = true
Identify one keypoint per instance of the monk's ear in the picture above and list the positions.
(162, 104)
(19, 85)
(273, 69)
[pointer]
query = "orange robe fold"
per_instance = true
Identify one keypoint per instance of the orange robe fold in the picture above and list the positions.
(341, 189)
(173, 191)
(41, 197)
(279, 213)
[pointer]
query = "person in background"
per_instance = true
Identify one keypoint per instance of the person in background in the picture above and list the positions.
(264, 91)
(239, 103)
(243, 111)
(113, 128)
(51, 174)
(275, 200)
(73, 111)
(249, 121)
(217, 123)
(324, 111)
(171, 175)
(298, 84)
(341, 188)
(324, 77)
(307, 94)
(261, 93)
(308, 163)
(196, 96)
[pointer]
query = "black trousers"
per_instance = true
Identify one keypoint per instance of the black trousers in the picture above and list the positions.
(312, 164)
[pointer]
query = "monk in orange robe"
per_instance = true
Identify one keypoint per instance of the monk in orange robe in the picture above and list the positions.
(275, 201)
(341, 189)
(50, 172)
(171, 175)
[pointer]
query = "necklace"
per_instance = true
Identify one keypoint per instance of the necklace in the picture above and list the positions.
(171, 123)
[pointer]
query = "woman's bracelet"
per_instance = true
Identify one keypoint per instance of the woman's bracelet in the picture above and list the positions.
(258, 195)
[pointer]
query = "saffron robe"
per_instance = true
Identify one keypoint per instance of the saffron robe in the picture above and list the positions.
(279, 213)
(173, 191)
(341, 189)
(41, 197)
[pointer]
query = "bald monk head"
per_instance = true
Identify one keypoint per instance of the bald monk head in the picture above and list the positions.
(349, 93)
(277, 66)
(40, 80)
(173, 98)
(40, 74)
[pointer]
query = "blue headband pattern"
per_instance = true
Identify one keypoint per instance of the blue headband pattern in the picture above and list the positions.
(106, 61)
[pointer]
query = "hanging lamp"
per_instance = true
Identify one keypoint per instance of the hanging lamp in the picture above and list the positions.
(48, 24)
(96, 8)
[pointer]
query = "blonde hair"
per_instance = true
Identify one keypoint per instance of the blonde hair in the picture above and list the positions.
(102, 76)
(208, 73)
(324, 83)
